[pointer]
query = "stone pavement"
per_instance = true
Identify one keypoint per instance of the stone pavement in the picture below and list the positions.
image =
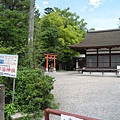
(94, 96)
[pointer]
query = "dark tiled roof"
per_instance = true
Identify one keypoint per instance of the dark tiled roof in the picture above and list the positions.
(99, 39)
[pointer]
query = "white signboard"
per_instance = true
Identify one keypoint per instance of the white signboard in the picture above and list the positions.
(65, 117)
(8, 65)
(118, 70)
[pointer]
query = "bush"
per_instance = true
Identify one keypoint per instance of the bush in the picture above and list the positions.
(33, 90)
(9, 110)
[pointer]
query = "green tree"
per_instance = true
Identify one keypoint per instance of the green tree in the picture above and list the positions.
(14, 17)
(59, 29)
(20, 5)
(14, 27)
(38, 45)
(49, 34)
(92, 28)
(48, 10)
(14, 32)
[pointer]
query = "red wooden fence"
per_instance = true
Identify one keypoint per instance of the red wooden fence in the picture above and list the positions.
(58, 112)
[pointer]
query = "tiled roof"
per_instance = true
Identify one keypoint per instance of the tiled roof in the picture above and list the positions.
(99, 39)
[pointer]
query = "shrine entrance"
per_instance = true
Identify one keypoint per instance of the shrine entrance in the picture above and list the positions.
(53, 58)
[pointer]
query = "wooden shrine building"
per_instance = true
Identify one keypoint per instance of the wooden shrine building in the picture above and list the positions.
(101, 49)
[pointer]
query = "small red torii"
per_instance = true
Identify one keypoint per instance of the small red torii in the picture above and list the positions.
(53, 57)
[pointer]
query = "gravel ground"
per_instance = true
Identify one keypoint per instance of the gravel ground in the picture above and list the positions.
(88, 95)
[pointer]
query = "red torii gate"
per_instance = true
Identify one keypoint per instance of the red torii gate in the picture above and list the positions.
(53, 57)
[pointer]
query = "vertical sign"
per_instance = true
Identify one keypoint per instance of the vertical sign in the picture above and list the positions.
(8, 65)
(118, 71)
(2, 100)
(65, 117)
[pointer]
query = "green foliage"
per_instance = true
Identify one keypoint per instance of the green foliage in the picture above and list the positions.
(13, 31)
(5, 49)
(8, 88)
(33, 90)
(48, 10)
(57, 31)
(53, 33)
(92, 28)
(25, 118)
(9, 110)
(19, 5)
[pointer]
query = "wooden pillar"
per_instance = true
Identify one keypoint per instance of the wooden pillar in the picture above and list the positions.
(109, 57)
(46, 115)
(97, 58)
(2, 101)
(46, 63)
(54, 63)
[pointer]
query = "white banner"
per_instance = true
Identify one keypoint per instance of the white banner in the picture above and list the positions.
(65, 117)
(8, 65)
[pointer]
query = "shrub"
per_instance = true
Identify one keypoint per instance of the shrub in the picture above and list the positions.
(33, 90)
(9, 110)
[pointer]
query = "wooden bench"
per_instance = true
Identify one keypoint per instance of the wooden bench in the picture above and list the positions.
(97, 70)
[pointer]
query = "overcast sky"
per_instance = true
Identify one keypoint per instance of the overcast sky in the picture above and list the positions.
(99, 14)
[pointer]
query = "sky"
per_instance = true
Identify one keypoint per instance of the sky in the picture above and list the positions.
(99, 14)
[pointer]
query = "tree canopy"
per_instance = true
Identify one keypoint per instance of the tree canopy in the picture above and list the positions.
(58, 30)
(53, 33)
(14, 17)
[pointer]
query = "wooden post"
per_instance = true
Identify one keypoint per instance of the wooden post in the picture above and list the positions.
(46, 115)
(46, 63)
(54, 63)
(2, 101)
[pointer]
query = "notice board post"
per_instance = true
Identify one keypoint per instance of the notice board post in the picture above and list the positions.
(8, 67)
(2, 101)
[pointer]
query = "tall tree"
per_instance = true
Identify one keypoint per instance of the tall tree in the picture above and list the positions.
(14, 26)
(48, 10)
(60, 29)
(20, 5)
(14, 31)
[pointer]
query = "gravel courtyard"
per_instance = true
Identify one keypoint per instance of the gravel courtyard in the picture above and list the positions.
(87, 95)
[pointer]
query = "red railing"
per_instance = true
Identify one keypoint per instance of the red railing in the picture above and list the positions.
(58, 112)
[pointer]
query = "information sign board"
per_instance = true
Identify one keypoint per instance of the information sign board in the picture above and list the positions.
(65, 117)
(8, 65)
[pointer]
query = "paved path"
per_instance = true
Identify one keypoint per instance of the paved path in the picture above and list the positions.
(92, 96)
